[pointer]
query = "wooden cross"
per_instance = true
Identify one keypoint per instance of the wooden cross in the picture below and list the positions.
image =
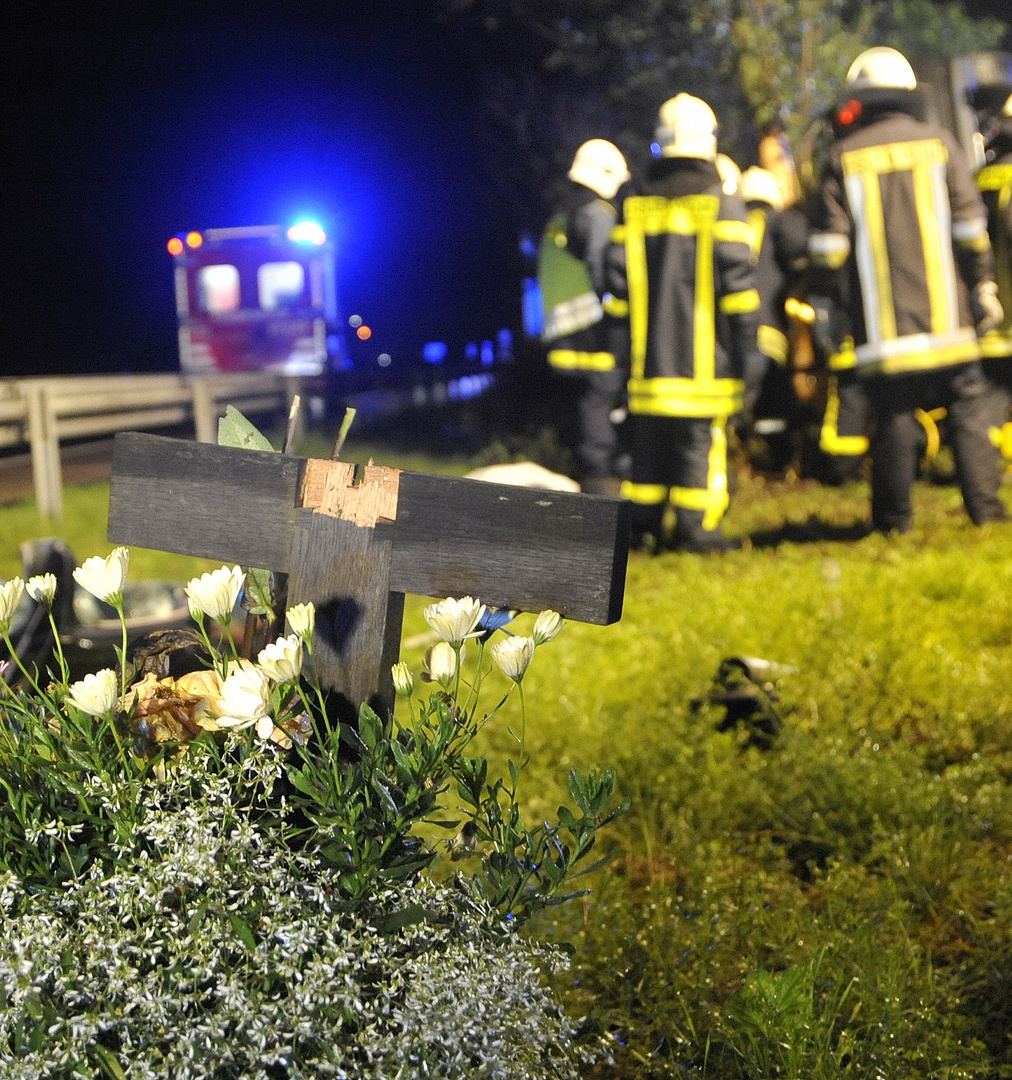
(355, 539)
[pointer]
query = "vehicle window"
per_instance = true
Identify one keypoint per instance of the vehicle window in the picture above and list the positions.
(218, 288)
(280, 284)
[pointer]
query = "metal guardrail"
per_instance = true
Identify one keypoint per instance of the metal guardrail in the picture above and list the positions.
(42, 412)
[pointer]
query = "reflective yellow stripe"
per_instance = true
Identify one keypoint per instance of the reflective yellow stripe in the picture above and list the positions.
(619, 309)
(1002, 438)
(924, 360)
(830, 440)
(712, 500)
(876, 230)
(740, 303)
(757, 221)
(633, 236)
(996, 343)
(773, 343)
(618, 234)
(644, 494)
(572, 360)
(798, 309)
(928, 421)
(704, 326)
(828, 249)
(685, 397)
(994, 177)
(895, 157)
(980, 242)
(845, 358)
(733, 232)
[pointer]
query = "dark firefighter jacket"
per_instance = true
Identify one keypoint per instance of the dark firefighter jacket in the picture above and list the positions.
(682, 259)
(781, 249)
(571, 274)
(899, 237)
(995, 184)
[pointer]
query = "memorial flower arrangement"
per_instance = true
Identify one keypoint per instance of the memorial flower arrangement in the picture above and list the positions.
(208, 876)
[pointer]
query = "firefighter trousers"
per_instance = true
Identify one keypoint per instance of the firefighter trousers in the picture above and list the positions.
(843, 438)
(682, 462)
(895, 445)
(596, 394)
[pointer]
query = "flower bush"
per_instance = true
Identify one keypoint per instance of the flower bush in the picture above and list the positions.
(205, 876)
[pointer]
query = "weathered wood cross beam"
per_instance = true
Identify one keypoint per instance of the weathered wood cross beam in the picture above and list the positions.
(354, 540)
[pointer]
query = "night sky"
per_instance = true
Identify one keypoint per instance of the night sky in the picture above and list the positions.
(129, 126)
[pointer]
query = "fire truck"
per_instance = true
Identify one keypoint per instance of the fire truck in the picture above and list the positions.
(258, 298)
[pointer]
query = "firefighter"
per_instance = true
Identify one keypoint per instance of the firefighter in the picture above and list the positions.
(995, 184)
(781, 252)
(682, 262)
(902, 279)
(571, 272)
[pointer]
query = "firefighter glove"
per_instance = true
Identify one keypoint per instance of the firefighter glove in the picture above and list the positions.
(987, 310)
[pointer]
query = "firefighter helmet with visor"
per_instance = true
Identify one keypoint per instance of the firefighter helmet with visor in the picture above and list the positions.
(881, 67)
(600, 166)
(687, 128)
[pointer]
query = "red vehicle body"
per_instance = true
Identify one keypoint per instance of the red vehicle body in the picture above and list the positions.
(257, 298)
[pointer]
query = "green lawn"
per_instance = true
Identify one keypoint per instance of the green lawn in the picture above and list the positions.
(836, 905)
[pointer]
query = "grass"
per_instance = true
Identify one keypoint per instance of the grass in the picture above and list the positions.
(837, 905)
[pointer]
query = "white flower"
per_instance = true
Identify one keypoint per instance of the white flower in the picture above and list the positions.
(547, 625)
(245, 696)
(215, 593)
(302, 620)
(10, 596)
(440, 664)
(281, 660)
(455, 620)
(404, 681)
(95, 694)
(105, 578)
(42, 589)
(513, 656)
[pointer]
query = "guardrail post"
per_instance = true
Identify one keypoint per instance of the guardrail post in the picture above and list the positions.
(205, 414)
(47, 474)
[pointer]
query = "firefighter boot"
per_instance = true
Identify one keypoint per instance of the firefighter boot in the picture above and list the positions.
(690, 536)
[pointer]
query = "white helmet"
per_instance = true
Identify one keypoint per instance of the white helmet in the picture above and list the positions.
(600, 166)
(881, 67)
(687, 128)
(1007, 108)
(730, 174)
(760, 185)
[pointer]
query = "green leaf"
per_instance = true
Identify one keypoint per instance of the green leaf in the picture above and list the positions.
(236, 431)
(410, 916)
(580, 792)
(107, 1062)
(369, 726)
(258, 589)
(242, 928)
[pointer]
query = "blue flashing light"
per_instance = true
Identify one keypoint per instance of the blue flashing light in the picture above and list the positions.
(307, 232)
(434, 352)
(655, 149)
(504, 344)
(487, 355)
(528, 247)
(471, 350)
(533, 308)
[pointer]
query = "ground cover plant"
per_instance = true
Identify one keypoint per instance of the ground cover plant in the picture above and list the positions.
(205, 875)
(837, 903)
